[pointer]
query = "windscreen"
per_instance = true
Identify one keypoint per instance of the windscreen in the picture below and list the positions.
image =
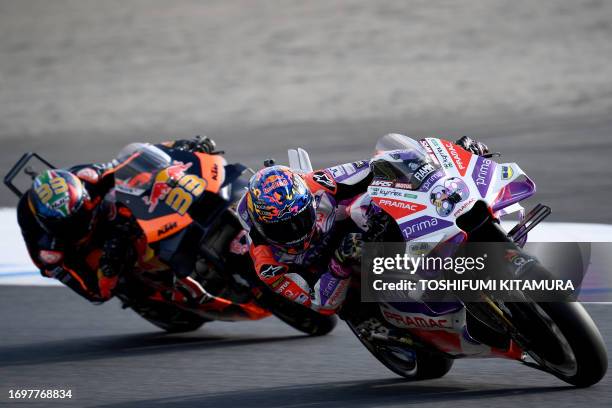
(138, 163)
(402, 160)
(396, 141)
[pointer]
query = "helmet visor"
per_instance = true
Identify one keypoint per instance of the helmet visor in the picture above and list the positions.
(71, 228)
(292, 232)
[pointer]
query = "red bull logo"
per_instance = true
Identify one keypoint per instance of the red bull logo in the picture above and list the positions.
(274, 182)
(162, 183)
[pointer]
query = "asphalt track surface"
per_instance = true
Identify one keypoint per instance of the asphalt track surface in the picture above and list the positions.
(110, 357)
(80, 79)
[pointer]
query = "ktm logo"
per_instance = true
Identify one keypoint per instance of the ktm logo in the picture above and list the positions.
(166, 228)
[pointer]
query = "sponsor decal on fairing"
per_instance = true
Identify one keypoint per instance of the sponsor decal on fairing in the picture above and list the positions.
(423, 225)
(482, 174)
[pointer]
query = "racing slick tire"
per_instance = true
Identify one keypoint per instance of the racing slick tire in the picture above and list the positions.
(563, 340)
(169, 318)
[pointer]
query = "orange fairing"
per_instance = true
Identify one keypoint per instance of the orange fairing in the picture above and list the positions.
(254, 311)
(162, 227)
(213, 170)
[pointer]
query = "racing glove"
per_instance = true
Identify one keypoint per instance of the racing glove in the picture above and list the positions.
(117, 254)
(346, 256)
(114, 257)
(107, 285)
(197, 144)
(349, 250)
(112, 263)
(473, 146)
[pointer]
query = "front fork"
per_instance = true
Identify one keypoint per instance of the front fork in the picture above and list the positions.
(482, 226)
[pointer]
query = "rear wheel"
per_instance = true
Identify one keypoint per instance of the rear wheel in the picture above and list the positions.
(414, 365)
(168, 317)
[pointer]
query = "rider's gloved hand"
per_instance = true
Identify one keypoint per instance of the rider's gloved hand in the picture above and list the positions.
(116, 256)
(107, 285)
(346, 256)
(113, 257)
(204, 144)
(197, 144)
(349, 250)
(117, 253)
(473, 146)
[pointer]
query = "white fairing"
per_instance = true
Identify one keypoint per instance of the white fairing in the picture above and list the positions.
(424, 214)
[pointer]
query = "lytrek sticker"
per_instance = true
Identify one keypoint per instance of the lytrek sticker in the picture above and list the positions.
(482, 174)
(398, 208)
(460, 156)
(422, 226)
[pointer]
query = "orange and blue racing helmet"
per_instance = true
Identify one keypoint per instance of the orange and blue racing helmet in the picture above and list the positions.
(281, 207)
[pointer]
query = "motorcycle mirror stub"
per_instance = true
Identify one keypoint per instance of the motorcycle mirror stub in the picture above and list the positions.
(19, 178)
(299, 160)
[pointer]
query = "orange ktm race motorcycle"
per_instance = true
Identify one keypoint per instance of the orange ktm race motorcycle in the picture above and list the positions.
(184, 202)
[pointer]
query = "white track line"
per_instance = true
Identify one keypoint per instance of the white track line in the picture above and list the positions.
(16, 268)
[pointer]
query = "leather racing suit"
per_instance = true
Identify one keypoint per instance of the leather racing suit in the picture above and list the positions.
(91, 265)
(297, 276)
(337, 239)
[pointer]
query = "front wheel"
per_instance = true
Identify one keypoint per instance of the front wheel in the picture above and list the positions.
(563, 339)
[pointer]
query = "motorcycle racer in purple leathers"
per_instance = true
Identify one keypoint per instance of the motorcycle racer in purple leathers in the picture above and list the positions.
(303, 240)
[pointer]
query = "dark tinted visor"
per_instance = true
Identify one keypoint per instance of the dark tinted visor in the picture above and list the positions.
(293, 231)
(72, 228)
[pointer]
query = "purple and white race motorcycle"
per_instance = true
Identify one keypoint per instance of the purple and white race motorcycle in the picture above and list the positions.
(433, 191)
